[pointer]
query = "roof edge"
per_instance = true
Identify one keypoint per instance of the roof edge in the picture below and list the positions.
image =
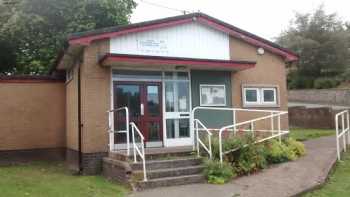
(85, 38)
(30, 78)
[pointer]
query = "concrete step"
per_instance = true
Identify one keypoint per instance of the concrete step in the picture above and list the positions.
(170, 172)
(170, 181)
(152, 155)
(163, 164)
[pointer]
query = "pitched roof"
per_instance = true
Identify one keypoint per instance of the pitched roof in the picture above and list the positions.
(85, 38)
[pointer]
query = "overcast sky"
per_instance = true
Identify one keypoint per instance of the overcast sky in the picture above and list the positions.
(266, 18)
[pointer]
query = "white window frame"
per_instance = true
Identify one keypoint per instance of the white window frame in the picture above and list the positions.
(257, 102)
(274, 95)
(212, 85)
(260, 96)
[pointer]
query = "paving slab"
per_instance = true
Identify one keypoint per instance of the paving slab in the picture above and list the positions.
(287, 179)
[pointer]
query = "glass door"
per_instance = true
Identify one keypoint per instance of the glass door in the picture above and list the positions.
(177, 109)
(144, 102)
(152, 115)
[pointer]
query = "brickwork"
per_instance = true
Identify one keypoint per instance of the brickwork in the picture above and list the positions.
(270, 70)
(92, 162)
(32, 115)
(329, 96)
(95, 92)
(316, 118)
(20, 156)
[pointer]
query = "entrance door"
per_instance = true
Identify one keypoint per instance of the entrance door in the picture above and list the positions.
(177, 109)
(144, 102)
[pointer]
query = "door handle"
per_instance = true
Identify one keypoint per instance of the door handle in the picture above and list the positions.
(142, 109)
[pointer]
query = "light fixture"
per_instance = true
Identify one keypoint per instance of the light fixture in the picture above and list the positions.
(261, 51)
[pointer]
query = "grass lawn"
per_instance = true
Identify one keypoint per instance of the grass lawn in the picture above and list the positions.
(307, 134)
(339, 181)
(42, 179)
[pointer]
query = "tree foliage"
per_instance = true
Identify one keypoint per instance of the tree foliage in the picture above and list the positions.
(322, 42)
(33, 31)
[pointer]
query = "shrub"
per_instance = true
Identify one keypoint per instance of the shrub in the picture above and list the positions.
(277, 152)
(250, 159)
(297, 147)
(228, 144)
(218, 173)
(324, 83)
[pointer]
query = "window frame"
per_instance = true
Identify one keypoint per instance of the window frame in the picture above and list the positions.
(257, 96)
(274, 95)
(212, 105)
(260, 96)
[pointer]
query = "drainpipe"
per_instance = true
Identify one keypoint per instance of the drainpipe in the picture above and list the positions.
(80, 125)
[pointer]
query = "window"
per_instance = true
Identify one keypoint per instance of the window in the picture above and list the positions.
(260, 96)
(212, 95)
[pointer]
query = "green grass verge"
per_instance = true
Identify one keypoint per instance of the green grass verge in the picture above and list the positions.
(41, 179)
(307, 134)
(338, 184)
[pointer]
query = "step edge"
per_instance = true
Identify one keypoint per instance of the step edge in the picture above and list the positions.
(170, 169)
(173, 178)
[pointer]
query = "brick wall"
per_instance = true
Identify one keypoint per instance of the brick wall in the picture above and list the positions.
(328, 96)
(316, 118)
(270, 70)
(95, 90)
(32, 115)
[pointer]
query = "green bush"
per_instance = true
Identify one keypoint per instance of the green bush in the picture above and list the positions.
(218, 173)
(228, 144)
(297, 147)
(277, 152)
(325, 83)
(249, 157)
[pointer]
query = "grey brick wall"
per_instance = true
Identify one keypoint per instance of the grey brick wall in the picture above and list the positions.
(327, 96)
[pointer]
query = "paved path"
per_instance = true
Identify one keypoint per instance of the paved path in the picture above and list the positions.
(287, 179)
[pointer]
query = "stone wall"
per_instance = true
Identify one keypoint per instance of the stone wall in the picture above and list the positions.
(316, 118)
(326, 96)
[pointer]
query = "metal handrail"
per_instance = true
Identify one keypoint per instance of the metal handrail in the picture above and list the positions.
(251, 122)
(141, 152)
(111, 130)
(344, 130)
(200, 142)
(273, 114)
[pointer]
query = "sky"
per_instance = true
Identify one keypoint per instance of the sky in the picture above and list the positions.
(265, 18)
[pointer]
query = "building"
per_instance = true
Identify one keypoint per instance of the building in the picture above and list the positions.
(160, 70)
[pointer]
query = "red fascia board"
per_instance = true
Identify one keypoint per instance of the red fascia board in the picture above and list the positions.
(246, 38)
(88, 39)
(155, 60)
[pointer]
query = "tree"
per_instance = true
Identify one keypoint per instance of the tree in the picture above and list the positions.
(322, 42)
(37, 29)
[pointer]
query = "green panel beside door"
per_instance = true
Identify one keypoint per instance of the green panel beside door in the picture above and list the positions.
(210, 118)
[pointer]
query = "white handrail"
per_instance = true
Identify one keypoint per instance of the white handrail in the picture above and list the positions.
(251, 122)
(111, 130)
(136, 148)
(345, 129)
(199, 141)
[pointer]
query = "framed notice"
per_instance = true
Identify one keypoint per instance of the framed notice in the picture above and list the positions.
(212, 95)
